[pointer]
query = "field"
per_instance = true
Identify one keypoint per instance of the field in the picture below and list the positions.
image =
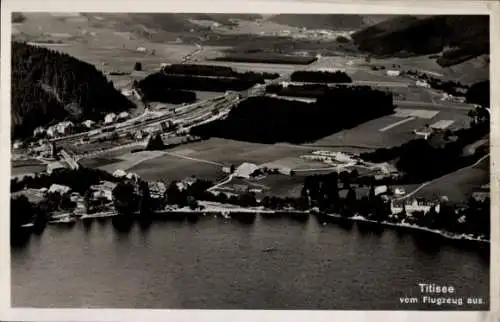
(19, 167)
(396, 129)
(272, 185)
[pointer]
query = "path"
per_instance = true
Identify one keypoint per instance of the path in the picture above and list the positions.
(194, 159)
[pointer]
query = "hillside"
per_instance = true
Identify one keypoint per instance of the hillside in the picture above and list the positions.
(48, 86)
(333, 22)
(457, 38)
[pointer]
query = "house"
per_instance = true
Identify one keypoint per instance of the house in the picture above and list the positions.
(141, 49)
(103, 190)
(110, 118)
(52, 131)
(424, 132)
(39, 131)
(60, 189)
(56, 166)
(123, 116)
(393, 73)
(64, 128)
(380, 190)
(88, 124)
(245, 170)
(157, 189)
(421, 83)
(411, 206)
(119, 173)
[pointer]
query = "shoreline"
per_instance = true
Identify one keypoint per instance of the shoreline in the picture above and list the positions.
(445, 234)
(212, 208)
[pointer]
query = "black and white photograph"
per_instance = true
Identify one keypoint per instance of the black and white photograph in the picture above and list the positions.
(250, 161)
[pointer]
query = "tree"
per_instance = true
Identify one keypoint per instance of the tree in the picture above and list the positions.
(138, 66)
(124, 198)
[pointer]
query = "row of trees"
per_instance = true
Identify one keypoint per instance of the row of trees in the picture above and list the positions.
(306, 90)
(214, 70)
(49, 86)
(320, 77)
(271, 120)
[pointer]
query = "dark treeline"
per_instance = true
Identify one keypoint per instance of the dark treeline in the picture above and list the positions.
(320, 77)
(167, 95)
(157, 82)
(267, 58)
(271, 120)
(213, 70)
(78, 180)
(449, 87)
(306, 90)
(45, 83)
(421, 159)
(479, 93)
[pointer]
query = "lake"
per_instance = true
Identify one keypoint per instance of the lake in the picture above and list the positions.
(220, 264)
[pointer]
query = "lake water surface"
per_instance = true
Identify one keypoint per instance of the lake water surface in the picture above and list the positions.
(220, 264)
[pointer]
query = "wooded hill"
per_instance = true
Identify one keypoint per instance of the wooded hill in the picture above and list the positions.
(457, 38)
(49, 86)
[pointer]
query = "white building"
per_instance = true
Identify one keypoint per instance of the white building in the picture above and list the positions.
(64, 127)
(88, 123)
(51, 131)
(157, 189)
(425, 132)
(380, 190)
(57, 188)
(39, 131)
(123, 116)
(245, 170)
(421, 83)
(141, 49)
(119, 173)
(393, 73)
(110, 118)
(56, 166)
(411, 206)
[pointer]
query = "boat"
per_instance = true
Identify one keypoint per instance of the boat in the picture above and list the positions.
(68, 220)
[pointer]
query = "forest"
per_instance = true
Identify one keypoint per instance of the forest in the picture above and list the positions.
(271, 120)
(49, 86)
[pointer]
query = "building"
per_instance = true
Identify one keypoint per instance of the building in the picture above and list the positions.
(123, 116)
(393, 73)
(110, 118)
(141, 49)
(60, 189)
(411, 206)
(157, 189)
(119, 173)
(88, 124)
(39, 131)
(380, 190)
(56, 166)
(422, 83)
(245, 170)
(425, 132)
(103, 190)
